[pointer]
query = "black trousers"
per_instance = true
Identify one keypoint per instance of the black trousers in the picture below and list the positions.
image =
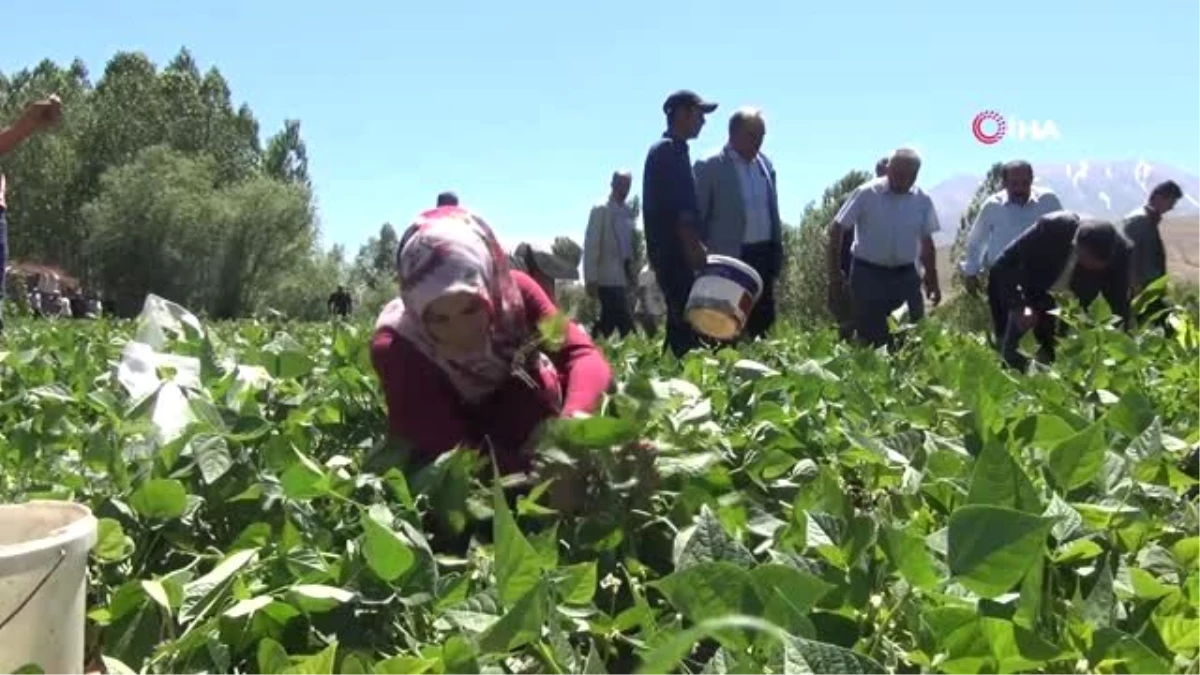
(877, 291)
(675, 281)
(764, 259)
(614, 312)
(998, 310)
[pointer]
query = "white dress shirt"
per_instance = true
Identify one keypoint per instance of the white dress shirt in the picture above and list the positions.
(1000, 221)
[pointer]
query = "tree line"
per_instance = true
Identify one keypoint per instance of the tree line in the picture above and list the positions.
(156, 182)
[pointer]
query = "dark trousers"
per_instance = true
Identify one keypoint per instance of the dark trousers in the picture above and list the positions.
(999, 312)
(764, 259)
(878, 291)
(1045, 329)
(676, 284)
(614, 312)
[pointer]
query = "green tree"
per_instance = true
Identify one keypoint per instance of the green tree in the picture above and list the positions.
(215, 218)
(802, 290)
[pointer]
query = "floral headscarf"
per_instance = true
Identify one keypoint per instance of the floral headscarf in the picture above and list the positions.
(451, 250)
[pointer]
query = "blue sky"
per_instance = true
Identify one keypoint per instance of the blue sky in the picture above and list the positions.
(525, 108)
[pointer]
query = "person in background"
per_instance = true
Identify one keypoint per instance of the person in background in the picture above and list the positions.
(458, 353)
(893, 222)
(1001, 219)
(608, 258)
(1061, 251)
(340, 302)
(649, 305)
(78, 304)
(544, 266)
(674, 241)
(843, 309)
(739, 210)
(447, 199)
(38, 116)
(1149, 258)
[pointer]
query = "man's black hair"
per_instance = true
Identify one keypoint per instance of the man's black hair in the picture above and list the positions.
(1169, 189)
(1100, 238)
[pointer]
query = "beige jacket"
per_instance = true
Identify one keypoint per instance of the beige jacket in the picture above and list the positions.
(606, 245)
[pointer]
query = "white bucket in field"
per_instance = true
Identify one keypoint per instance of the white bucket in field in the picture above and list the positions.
(722, 297)
(43, 571)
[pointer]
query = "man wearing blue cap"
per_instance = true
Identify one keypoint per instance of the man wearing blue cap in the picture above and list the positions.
(674, 242)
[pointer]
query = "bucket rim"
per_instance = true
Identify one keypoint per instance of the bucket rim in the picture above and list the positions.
(80, 530)
(741, 266)
(751, 274)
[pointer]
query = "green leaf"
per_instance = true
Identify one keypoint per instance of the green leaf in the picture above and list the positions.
(787, 594)
(1077, 460)
(211, 453)
(809, 656)
(911, 557)
(518, 566)
(597, 432)
(577, 583)
(112, 544)
(999, 481)
(991, 547)
(519, 626)
(320, 663)
(707, 541)
(160, 498)
(707, 590)
(304, 479)
(388, 553)
(317, 598)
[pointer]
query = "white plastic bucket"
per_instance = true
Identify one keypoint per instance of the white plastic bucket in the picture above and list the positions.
(722, 297)
(43, 591)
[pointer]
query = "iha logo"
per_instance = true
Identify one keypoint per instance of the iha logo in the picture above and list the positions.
(990, 127)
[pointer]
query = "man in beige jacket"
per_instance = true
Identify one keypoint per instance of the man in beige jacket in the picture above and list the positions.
(608, 258)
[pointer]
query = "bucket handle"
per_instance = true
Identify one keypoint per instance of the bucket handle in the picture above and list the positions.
(62, 555)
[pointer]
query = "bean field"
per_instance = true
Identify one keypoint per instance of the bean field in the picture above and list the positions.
(812, 506)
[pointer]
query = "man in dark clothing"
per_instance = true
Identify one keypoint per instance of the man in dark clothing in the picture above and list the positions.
(1148, 261)
(340, 302)
(674, 242)
(1061, 251)
(447, 199)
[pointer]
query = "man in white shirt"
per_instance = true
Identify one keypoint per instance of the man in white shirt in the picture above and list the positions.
(608, 258)
(1002, 218)
(893, 222)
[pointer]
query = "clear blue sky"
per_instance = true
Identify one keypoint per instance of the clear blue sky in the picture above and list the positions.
(524, 108)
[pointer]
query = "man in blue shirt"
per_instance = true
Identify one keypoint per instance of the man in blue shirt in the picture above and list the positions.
(674, 242)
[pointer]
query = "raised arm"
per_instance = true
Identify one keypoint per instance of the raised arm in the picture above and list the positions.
(981, 230)
(581, 365)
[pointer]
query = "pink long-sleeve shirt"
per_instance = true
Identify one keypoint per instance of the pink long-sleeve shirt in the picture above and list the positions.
(427, 412)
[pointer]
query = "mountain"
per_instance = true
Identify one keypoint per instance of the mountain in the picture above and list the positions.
(1098, 188)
